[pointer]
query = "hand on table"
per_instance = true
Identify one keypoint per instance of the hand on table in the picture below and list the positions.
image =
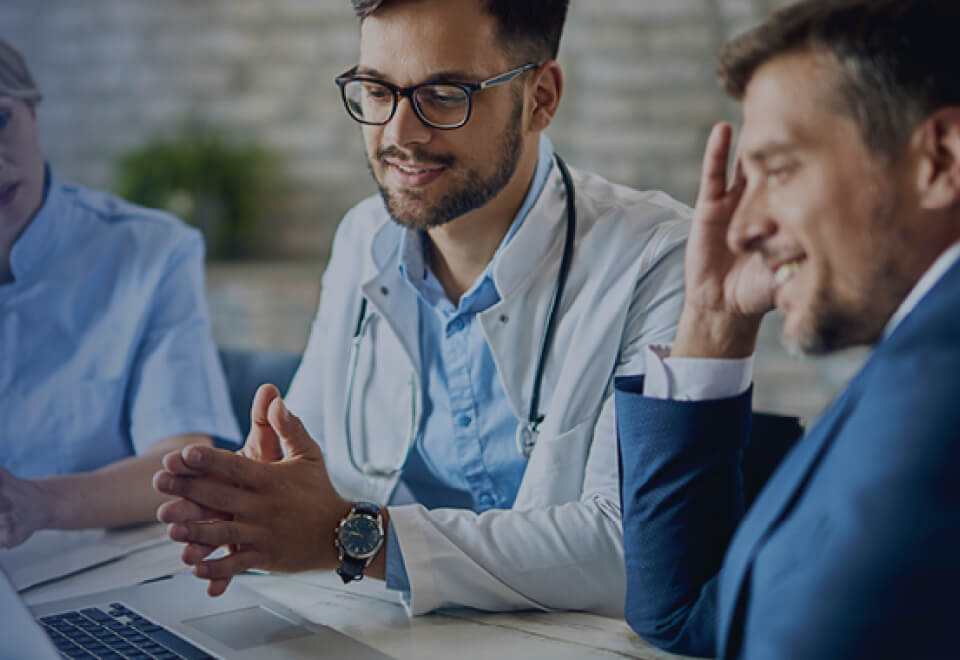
(273, 502)
(23, 509)
(727, 290)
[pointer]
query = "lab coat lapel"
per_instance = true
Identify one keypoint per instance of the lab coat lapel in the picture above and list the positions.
(390, 295)
(524, 276)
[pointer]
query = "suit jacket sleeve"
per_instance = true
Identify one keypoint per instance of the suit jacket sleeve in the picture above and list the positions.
(682, 497)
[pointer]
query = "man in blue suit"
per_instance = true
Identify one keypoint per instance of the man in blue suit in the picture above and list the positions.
(843, 213)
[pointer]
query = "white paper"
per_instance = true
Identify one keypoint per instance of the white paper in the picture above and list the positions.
(53, 554)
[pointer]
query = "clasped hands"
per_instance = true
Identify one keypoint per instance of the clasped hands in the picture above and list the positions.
(272, 503)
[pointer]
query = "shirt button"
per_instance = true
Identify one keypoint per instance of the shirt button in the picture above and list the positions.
(485, 499)
(464, 421)
(457, 325)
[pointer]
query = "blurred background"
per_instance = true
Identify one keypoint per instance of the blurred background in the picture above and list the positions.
(225, 113)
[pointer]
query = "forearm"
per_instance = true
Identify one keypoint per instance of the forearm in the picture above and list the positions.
(565, 557)
(682, 494)
(118, 494)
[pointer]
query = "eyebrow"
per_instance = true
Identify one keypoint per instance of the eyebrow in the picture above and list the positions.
(442, 76)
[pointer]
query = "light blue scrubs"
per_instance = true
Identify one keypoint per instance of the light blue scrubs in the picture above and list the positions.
(105, 342)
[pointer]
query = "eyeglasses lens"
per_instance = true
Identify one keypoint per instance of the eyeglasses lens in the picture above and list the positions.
(440, 105)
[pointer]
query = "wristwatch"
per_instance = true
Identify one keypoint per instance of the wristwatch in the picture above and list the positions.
(358, 537)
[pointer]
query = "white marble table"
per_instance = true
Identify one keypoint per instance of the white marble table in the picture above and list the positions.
(368, 612)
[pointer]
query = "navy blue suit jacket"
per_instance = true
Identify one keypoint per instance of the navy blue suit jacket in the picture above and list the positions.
(851, 550)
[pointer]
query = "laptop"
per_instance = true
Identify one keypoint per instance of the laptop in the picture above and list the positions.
(166, 619)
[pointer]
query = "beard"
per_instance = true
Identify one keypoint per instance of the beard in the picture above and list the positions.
(829, 324)
(471, 190)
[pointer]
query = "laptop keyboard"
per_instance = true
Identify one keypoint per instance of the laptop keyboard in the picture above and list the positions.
(115, 631)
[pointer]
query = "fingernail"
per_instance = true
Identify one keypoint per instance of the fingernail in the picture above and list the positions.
(193, 456)
(164, 482)
(177, 532)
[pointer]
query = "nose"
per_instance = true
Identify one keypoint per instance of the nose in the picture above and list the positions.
(752, 223)
(405, 127)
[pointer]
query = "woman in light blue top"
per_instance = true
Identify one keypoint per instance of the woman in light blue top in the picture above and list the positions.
(106, 357)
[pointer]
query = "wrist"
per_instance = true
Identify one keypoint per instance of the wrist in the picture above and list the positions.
(330, 544)
(50, 505)
(715, 334)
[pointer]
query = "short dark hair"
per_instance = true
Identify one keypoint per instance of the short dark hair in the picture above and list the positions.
(897, 59)
(530, 27)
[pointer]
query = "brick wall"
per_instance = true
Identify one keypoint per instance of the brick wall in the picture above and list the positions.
(639, 98)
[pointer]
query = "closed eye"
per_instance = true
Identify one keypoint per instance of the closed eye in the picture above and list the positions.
(781, 173)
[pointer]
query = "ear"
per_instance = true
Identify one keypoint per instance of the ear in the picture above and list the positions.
(938, 173)
(547, 88)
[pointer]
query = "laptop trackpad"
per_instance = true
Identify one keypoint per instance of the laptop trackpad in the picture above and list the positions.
(248, 628)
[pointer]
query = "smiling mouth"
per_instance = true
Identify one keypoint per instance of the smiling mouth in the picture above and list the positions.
(409, 169)
(787, 270)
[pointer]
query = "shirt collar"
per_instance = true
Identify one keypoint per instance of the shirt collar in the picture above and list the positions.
(414, 244)
(39, 236)
(939, 268)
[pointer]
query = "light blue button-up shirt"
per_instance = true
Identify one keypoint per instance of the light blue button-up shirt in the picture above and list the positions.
(465, 455)
(105, 343)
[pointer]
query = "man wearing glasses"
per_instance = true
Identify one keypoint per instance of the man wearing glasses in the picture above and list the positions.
(459, 374)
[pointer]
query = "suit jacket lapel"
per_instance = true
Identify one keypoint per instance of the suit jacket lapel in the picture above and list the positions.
(774, 500)
(784, 486)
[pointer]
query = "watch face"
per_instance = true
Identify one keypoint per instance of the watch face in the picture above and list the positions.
(360, 537)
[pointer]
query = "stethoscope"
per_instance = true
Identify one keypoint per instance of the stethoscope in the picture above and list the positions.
(527, 431)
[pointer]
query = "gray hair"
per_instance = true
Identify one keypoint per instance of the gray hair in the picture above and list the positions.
(15, 78)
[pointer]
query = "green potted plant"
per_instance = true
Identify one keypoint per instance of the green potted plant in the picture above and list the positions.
(217, 184)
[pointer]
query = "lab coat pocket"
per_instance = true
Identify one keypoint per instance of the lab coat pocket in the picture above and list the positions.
(556, 469)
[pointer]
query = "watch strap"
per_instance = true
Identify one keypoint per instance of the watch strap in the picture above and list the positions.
(351, 568)
(365, 509)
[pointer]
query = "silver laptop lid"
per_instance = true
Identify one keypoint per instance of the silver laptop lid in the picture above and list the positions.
(21, 635)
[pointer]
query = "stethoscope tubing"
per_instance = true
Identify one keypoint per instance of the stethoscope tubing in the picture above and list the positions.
(526, 431)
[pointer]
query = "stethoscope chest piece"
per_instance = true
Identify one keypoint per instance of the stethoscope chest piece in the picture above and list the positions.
(527, 433)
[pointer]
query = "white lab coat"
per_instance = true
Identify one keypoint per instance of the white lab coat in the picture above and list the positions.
(560, 546)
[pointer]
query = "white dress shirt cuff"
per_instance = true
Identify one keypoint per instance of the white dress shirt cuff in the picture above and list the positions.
(694, 379)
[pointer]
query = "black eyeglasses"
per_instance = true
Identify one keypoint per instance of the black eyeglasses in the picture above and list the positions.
(444, 105)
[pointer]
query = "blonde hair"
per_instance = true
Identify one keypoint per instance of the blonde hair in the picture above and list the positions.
(15, 78)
